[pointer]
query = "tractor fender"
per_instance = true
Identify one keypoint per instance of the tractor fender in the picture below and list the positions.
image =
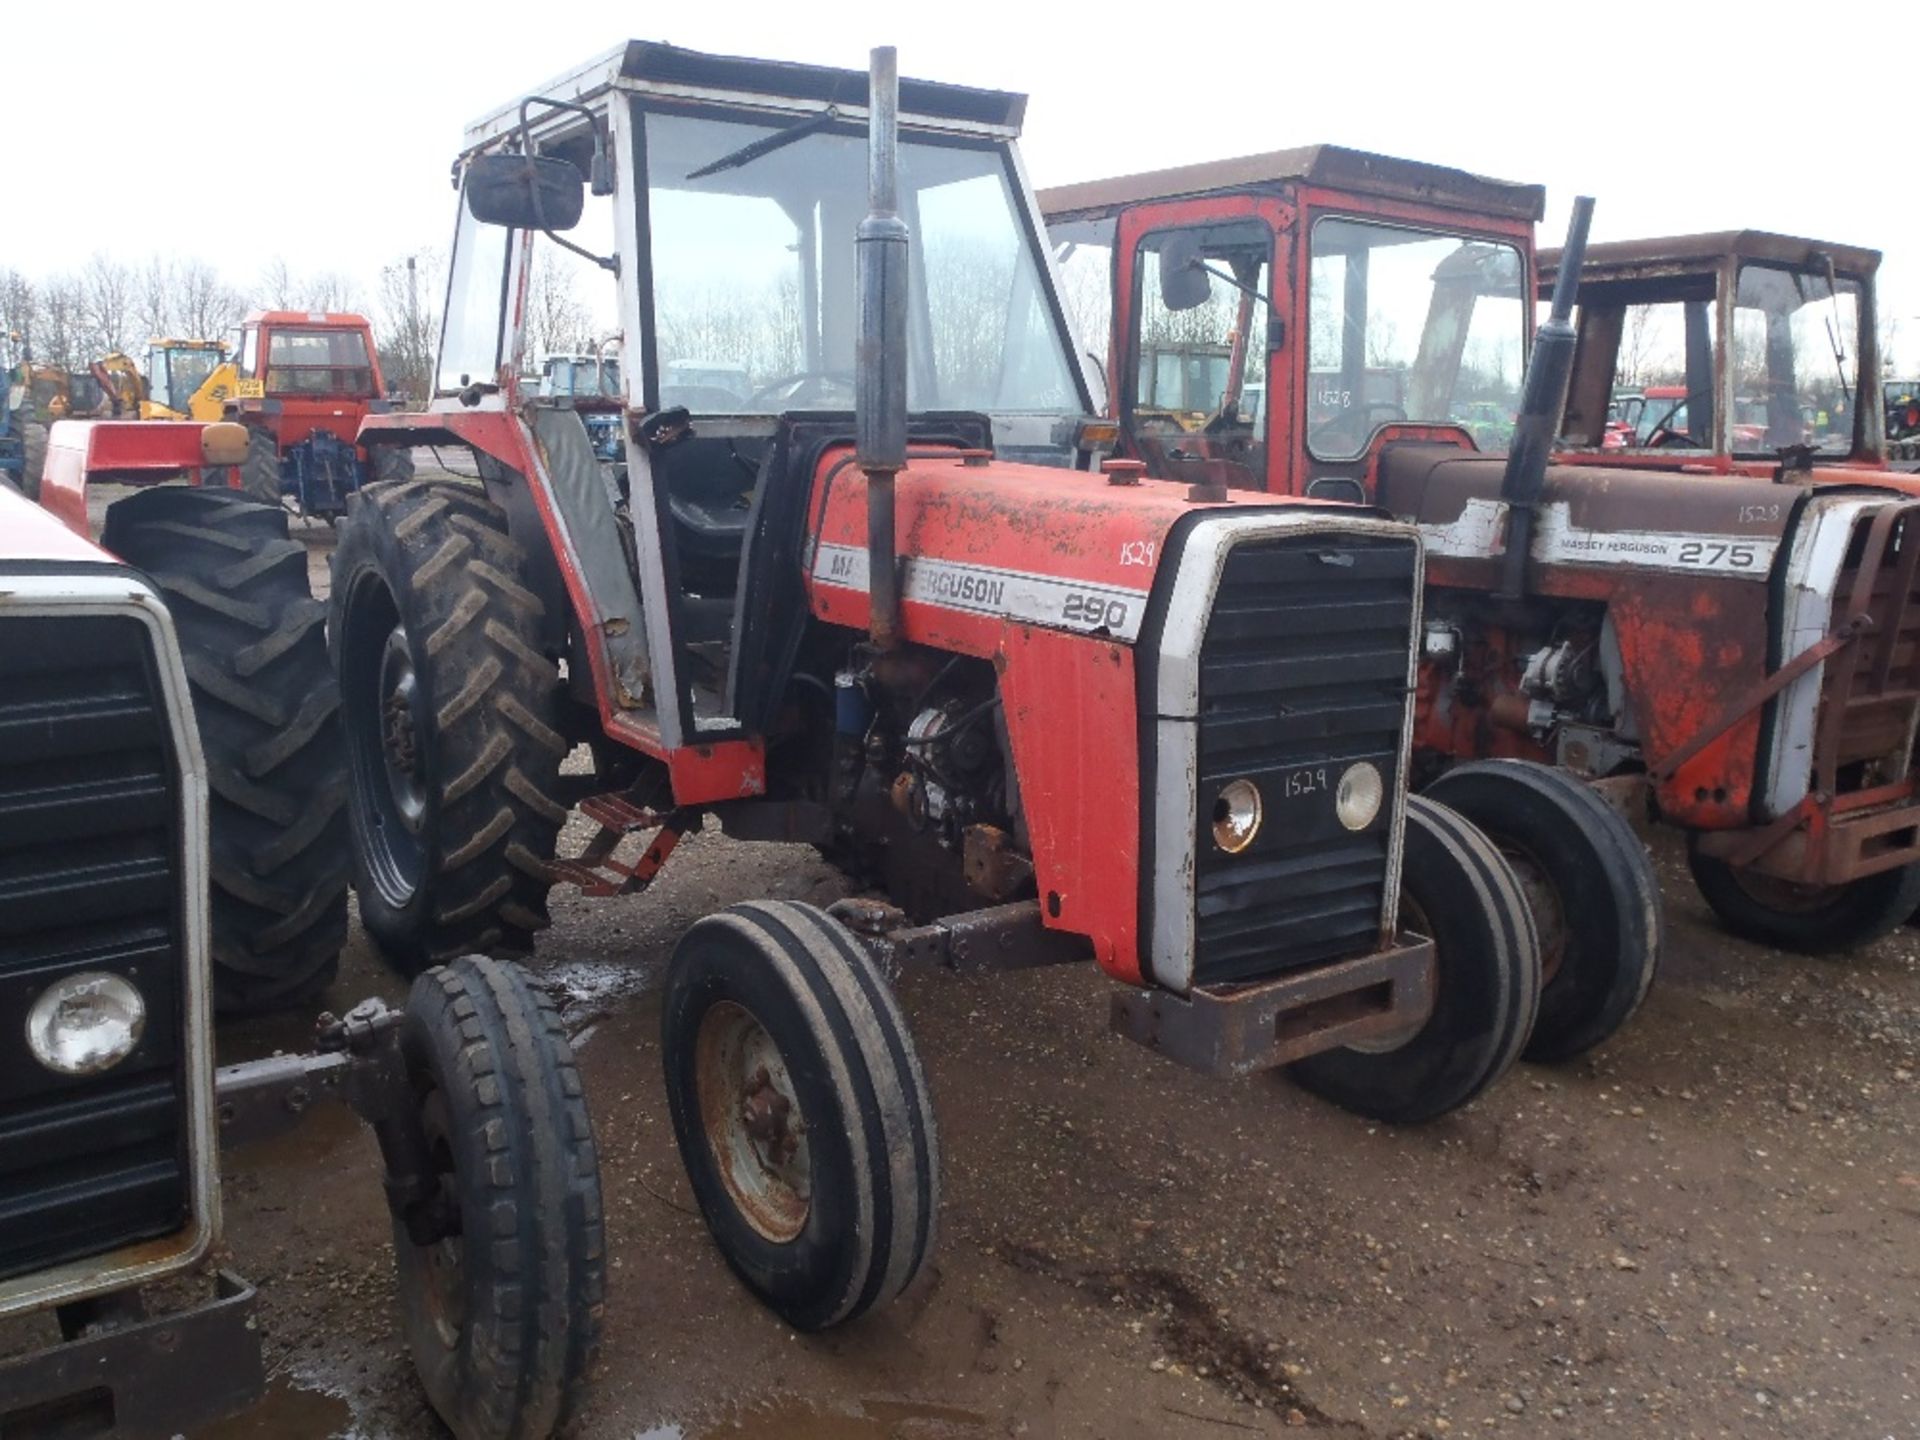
(132, 452)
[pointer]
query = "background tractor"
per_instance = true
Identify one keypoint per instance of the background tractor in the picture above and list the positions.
(112, 1115)
(306, 380)
(1052, 716)
(1735, 658)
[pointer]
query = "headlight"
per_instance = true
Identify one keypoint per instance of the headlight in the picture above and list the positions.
(1236, 816)
(85, 1024)
(1357, 800)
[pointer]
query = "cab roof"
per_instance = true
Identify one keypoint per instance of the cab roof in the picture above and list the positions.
(1333, 167)
(651, 66)
(1686, 254)
(328, 319)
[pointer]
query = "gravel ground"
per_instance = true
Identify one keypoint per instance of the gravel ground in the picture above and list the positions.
(1711, 1227)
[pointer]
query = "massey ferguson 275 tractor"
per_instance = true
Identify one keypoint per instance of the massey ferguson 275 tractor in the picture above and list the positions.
(1739, 655)
(1053, 715)
(111, 1112)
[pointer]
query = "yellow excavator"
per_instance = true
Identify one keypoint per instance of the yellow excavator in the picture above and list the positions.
(184, 380)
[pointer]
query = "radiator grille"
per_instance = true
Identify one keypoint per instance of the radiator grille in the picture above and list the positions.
(89, 880)
(1303, 672)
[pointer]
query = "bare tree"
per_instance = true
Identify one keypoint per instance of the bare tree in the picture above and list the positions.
(205, 306)
(19, 307)
(153, 307)
(406, 325)
(557, 321)
(59, 336)
(107, 291)
(275, 290)
(1635, 347)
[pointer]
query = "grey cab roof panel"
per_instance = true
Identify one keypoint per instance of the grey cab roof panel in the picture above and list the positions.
(654, 65)
(1685, 254)
(1331, 166)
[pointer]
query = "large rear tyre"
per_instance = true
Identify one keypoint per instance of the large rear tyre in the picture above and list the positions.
(452, 741)
(1455, 888)
(1595, 898)
(392, 463)
(267, 705)
(801, 1110)
(33, 436)
(260, 471)
(1807, 919)
(502, 1306)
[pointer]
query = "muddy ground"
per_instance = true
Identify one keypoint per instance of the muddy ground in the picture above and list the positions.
(1711, 1227)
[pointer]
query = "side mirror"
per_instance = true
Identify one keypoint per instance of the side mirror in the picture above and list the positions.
(1184, 283)
(525, 192)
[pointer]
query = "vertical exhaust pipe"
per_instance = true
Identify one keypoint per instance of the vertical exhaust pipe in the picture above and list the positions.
(1541, 400)
(880, 393)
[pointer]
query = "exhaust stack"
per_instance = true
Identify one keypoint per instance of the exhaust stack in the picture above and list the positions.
(1540, 405)
(880, 394)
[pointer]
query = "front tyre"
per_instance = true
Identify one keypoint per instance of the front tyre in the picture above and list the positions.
(267, 706)
(801, 1110)
(1595, 898)
(1456, 889)
(452, 741)
(502, 1310)
(1807, 919)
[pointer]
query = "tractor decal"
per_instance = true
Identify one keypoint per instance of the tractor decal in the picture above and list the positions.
(1559, 540)
(1078, 605)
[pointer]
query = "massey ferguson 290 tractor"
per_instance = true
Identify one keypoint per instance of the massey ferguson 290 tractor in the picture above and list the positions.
(111, 1112)
(1054, 715)
(1739, 655)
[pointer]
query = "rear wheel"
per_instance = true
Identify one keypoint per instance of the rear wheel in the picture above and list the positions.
(801, 1110)
(268, 712)
(1809, 919)
(448, 705)
(501, 1300)
(390, 463)
(1595, 899)
(260, 471)
(1457, 890)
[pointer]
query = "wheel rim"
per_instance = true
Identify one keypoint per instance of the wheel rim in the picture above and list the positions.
(755, 1129)
(1785, 897)
(382, 708)
(443, 1293)
(1543, 899)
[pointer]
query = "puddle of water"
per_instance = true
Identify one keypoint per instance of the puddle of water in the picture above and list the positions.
(288, 1413)
(875, 1420)
(587, 991)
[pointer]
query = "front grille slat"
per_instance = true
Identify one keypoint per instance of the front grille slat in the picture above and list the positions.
(89, 879)
(1303, 672)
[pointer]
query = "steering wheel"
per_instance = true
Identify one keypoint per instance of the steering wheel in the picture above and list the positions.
(789, 390)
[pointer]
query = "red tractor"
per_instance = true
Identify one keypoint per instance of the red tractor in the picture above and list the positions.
(262, 689)
(306, 381)
(1738, 657)
(1052, 715)
(113, 1117)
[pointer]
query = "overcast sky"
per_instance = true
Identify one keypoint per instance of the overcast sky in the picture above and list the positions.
(322, 132)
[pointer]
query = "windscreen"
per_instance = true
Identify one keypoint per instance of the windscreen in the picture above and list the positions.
(1796, 359)
(1411, 325)
(318, 362)
(755, 308)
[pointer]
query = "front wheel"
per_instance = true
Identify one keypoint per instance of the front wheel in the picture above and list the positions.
(501, 1302)
(1595, 898)
(1457, 890)
(801, 1110)
(1807, 919)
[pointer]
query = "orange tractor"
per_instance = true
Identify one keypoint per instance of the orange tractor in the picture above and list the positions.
(306, 379)
(1738, 659)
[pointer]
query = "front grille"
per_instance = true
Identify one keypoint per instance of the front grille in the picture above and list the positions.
(1303, 672)
(1870, 696)
(89, 880)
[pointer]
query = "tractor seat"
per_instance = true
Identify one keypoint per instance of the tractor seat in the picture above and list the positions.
(712, 529)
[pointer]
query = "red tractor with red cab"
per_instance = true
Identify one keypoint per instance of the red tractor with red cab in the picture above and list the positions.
(860, 600)
(307, 378)
(1737, 659)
